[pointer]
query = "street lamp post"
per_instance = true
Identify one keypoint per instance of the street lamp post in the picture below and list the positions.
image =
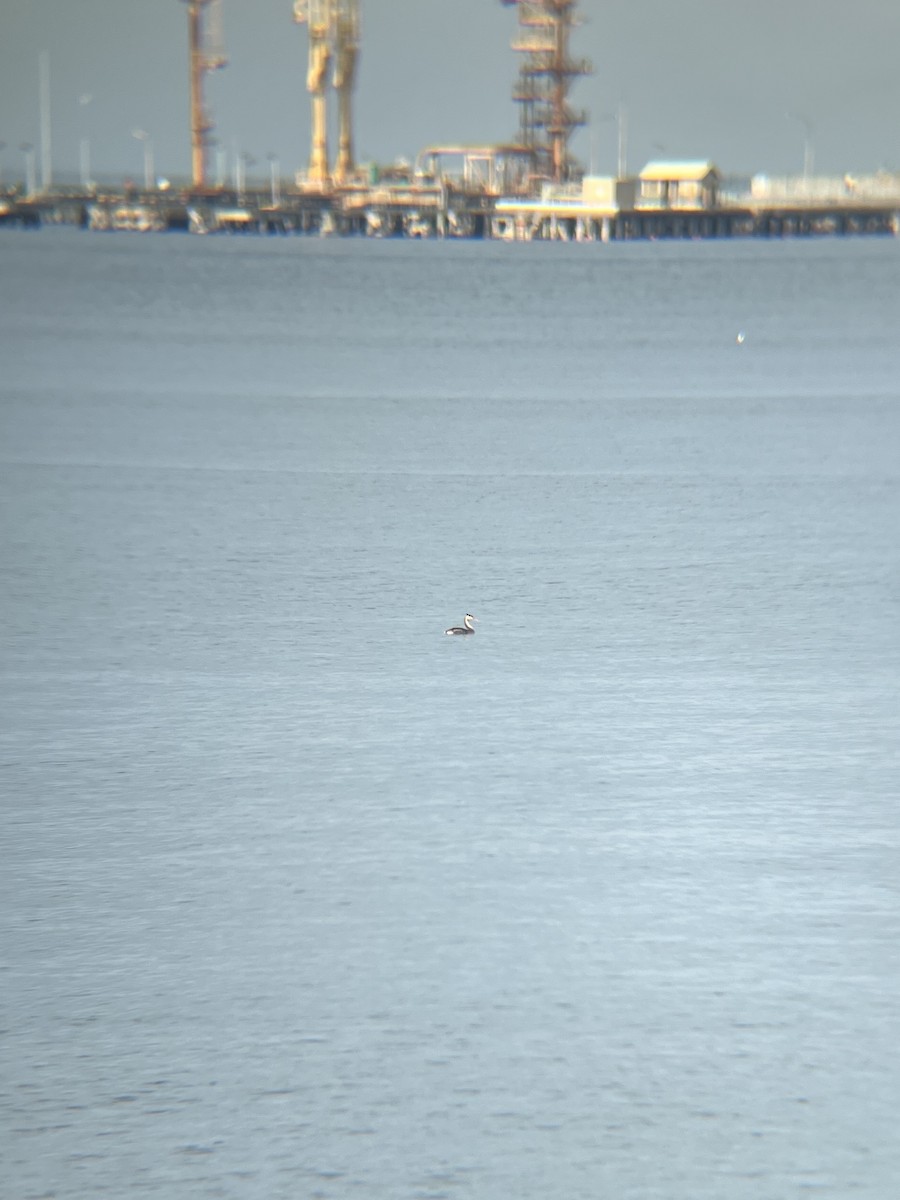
(274, 181)
(236, 176)
(30, 181)
(622, 128)
(46, 146)
(143, 136)
(601, 120)
(239, 164)
(619, 117)
(808, 147)
(84, 144)
(243, 160)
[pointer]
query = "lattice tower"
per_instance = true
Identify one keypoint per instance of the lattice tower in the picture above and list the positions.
(546, 76)
(207, 53)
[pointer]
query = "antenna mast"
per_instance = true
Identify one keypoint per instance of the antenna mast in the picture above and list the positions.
(207, 53)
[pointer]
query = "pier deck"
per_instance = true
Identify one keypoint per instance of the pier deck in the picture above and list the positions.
(444, 211)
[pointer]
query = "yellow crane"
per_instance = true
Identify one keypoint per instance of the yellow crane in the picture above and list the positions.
(334, 28)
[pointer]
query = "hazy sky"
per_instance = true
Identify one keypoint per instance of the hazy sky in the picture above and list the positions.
(700, 79)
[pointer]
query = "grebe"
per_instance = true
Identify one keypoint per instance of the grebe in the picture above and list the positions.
(466, 626)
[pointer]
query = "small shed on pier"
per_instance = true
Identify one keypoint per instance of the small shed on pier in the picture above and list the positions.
(678, 185)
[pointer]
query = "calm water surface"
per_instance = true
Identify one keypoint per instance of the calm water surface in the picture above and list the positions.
(300, 898)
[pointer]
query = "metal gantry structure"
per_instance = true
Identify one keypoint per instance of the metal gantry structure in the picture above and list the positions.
(546, 76)
(334, 30)
(207, 53)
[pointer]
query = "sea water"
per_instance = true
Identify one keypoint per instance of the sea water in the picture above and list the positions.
(301, 897)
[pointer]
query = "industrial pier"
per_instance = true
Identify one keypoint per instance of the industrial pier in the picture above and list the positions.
(450, 206)
(530, 189)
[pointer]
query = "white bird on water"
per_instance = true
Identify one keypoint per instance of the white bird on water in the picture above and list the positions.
(466, 627)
